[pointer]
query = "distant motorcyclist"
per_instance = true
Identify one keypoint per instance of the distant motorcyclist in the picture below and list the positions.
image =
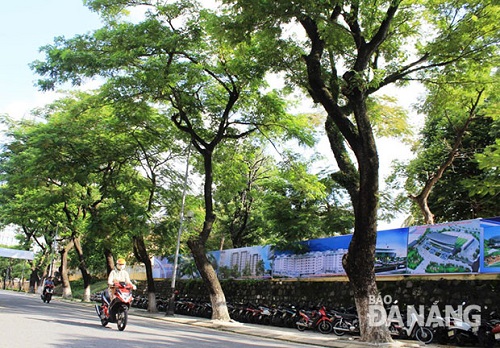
(49, 283)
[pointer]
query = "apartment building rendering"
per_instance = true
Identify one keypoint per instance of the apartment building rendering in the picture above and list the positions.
(244, 260)
(311, 264)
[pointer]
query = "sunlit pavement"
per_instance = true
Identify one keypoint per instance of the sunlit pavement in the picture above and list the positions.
(285, 334)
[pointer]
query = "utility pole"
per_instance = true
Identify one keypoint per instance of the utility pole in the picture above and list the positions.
(54, 245)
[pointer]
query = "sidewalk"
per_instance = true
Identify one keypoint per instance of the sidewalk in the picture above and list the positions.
(285, 334)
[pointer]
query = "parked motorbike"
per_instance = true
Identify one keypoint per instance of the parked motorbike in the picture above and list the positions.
(47, 293)
(345, 323)
(489, 331)
(495, 330)
(456, 331)
(316, 319)
(117, 310)
(412, 329)
(284, 316)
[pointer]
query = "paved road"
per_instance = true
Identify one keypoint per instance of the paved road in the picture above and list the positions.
(25, 321)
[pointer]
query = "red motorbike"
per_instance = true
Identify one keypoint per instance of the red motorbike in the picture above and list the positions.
(317, 319)
(117, 310)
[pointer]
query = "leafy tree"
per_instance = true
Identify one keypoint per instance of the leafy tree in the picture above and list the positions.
(239, 171)
(177, 57)
(86, 153)
(487, 186)
(459, 127)
(29, 199)
(350, 51)
(273, 201)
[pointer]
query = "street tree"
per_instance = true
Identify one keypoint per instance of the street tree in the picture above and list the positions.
(179, 59)
(29, 200)
(346, 52)
(278, 198)
(459, 125)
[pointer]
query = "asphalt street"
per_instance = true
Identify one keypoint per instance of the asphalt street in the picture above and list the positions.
(19, 312)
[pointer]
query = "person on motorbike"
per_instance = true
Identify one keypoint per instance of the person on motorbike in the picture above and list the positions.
(115, 276)
(48, 283)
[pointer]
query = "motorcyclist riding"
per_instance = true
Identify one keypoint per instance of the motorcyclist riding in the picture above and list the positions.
(117, 275)
(48, 283)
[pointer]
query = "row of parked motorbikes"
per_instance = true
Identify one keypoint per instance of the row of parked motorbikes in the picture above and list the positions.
(341, 321)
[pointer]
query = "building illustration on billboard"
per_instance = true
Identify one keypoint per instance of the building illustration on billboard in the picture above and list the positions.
(444, 248)
(311, 264)
(249, 262)
(490, 246)
(390, 251)
(469, 246)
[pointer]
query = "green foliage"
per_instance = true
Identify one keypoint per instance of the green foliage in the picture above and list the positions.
(81, 167)
(489, 162)
(389, 119)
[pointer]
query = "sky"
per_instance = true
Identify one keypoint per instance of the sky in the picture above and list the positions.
(27, 25)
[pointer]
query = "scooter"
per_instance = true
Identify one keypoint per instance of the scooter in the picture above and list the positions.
(456, 330)
(317, 319)
(47, 293)
(413, 329)
(117, 310)
(345, 322)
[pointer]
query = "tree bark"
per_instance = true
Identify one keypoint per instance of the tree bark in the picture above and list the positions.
(34, 278)
(66, 286)
(142, 255)
(110, 262)
(83, 269)
(362, 184)
(209, 276)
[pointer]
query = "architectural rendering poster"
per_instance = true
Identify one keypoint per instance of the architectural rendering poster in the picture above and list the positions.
(469, 246)
(391, 251)
(444, 248)
(249, 262)
(317, 258)
(162, 268)
(323, 257)
(490, 246)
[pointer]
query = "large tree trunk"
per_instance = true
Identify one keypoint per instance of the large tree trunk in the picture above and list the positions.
(34, 278)
(83, 268)
(360, 259)
(142, 255)
(66, 286)
(209, 276)
(110, 262)
(362, 184)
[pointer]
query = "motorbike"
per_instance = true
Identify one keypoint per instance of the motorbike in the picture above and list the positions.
(495, 330)
(456, 330)
(284, 316)
(413, 328)
(117, 310)
(489, 331)
(316, 319)
(345, 322)
(47, 293)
